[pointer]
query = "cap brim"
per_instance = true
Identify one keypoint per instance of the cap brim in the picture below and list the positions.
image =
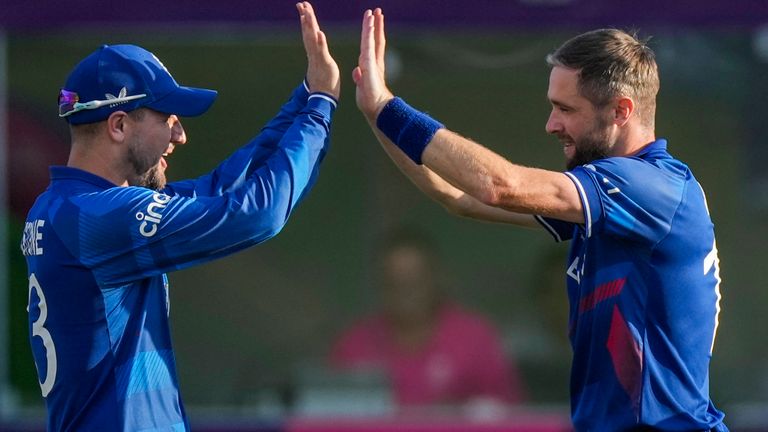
(185, 101)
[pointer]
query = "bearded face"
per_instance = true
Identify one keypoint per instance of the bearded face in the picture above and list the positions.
(146, 166)
(585, 131)
(153, 179)
(153, 137)
(595, 144)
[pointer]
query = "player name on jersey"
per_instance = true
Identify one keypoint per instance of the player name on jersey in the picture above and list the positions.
(32, 236)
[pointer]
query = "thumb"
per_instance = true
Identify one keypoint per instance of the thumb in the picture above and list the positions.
(357, 75)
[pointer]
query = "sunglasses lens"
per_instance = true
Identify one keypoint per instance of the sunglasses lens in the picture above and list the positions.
(67, 101)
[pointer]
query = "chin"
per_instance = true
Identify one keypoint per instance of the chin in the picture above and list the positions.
(153, 179)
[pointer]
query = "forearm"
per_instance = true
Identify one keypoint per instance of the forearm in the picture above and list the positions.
(453, 199)
(497, 182)
(476, 170)
(258, 206)
(427, 181)
(240, 164)
(284, 118)
(305, 144)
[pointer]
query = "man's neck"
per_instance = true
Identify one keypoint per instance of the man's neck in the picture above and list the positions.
(633, 141)
(89, 157)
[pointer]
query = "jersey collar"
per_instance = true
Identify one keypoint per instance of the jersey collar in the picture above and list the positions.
(59, 173)
(654, 149)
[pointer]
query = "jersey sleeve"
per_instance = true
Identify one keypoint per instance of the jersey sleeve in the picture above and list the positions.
(558, 229)
(234, 171)
(629, 198)
(130, 233)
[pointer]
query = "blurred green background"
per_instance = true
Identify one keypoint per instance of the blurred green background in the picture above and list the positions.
(248, 322)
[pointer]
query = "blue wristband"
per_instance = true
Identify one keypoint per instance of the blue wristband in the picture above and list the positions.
(409, 129)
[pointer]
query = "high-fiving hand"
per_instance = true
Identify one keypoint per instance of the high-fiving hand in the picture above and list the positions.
(322, 70)
(372, 92)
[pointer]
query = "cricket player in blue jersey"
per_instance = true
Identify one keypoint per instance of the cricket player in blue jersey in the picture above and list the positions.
(643, 276)
(100, 240)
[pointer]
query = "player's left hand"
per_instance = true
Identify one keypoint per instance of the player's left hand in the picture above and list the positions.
(372, 92)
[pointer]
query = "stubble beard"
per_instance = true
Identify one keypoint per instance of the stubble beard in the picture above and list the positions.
(587, 151)
(153, 179)
(147, 173)
(595, 145)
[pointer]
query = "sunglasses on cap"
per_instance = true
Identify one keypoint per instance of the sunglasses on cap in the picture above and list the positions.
(69, 102)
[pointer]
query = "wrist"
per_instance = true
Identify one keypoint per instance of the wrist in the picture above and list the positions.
(334, 101)
(409, 129)
(331, 91)
(380, 106)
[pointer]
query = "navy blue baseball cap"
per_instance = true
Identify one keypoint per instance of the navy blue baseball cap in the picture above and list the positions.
(124, 78)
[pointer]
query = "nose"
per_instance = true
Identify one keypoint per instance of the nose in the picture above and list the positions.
(554, 125)
(178, 136)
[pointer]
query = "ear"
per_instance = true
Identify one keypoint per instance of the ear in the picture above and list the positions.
(117, 125)
(625, 106)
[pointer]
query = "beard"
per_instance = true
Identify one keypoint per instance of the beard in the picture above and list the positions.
(596, 144)
(146, 169)
(588, 150)
(153, 179)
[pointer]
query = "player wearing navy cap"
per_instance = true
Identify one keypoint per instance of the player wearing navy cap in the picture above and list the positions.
(100, 240)
(643, 276)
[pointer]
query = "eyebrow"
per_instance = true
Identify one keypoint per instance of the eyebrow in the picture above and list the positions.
(559, 104)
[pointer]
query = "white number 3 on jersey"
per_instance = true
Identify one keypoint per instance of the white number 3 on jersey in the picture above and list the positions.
(711, 262)
(38, 329)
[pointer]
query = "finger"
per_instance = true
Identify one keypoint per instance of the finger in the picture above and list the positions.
(380, 39)
(309, 12)
(322, 44)
(366, 39)
(309, 28)
(306, 33)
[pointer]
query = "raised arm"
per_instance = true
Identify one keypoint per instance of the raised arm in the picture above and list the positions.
(166, 232)
(322, 80)
(453, 199)
(459, 173)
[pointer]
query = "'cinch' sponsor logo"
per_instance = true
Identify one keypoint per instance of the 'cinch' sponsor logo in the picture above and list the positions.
(153, 215)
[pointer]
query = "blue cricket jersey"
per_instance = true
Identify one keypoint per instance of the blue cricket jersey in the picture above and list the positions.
(98, 254)
(643, 285)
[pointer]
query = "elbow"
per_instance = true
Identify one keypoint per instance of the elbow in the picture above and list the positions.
(263, 226)
(462, 206)
(274, 221)
(455, 208)
(464, 212)
(489, 190)
(272, 229)
(490, 195)
(499, 191)
(261, 232)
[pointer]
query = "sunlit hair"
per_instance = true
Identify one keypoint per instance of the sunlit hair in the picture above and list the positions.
(612, 63)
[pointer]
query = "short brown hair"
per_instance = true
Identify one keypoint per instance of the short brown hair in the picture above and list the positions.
(90, 129)
(612, 63)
